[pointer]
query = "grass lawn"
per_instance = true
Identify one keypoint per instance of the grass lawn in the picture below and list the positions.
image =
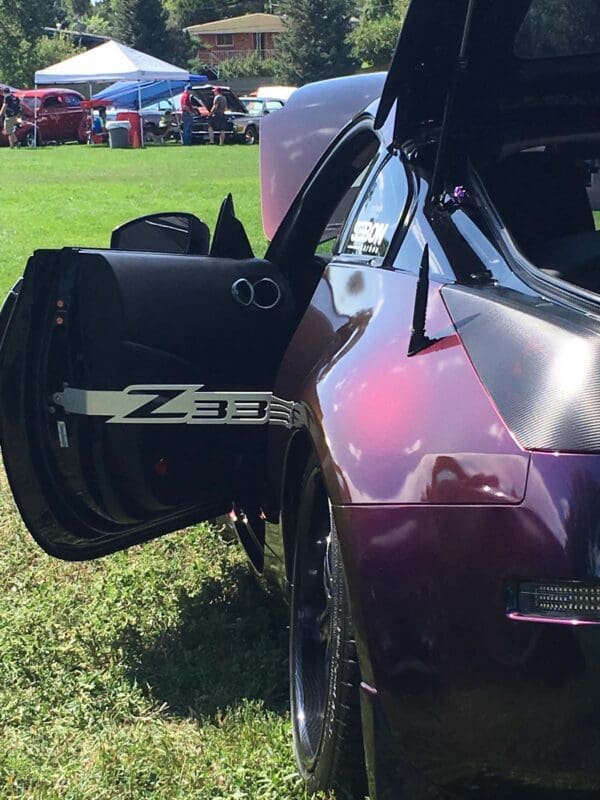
(74, 195)
(160, 672)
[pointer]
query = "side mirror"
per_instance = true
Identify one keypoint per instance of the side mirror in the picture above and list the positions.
(183, 234)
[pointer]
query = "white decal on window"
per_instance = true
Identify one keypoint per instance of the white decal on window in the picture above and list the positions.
(367, 236)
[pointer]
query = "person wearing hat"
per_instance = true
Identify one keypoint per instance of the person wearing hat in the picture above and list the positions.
(217, 120)
(187, 115)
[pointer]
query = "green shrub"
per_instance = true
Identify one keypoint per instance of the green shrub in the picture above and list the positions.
(245, 67)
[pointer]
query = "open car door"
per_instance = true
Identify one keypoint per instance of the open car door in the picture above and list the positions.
(135, 392)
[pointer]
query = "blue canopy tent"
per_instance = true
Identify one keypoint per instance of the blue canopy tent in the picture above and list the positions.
(128, 94)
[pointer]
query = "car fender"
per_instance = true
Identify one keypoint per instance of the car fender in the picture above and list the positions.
(390, 429)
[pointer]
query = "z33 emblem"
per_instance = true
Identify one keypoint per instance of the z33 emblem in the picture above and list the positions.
(176, 405)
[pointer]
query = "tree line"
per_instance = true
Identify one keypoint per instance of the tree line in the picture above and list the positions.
(323, 38)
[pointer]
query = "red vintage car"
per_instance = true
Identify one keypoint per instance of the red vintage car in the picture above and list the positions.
(21, 132)
(24, 134)
(60, 117)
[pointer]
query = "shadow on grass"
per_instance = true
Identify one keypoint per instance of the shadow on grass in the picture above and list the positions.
(230, 644)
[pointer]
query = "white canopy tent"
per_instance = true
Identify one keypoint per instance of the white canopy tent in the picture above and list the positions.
(107, 63)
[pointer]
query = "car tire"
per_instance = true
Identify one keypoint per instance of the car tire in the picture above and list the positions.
(251, 135)
(30, 139)
(324, 674)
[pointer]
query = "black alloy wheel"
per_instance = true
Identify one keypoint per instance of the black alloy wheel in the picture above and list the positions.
(251, 135)
(324, 674)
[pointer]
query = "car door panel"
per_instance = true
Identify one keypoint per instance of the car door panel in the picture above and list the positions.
(74, 115)
(50, 120)
(135, 392)
(63, 121)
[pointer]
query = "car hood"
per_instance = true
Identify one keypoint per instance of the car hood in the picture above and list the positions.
(205, 93)
(495, 59)
(248, 118)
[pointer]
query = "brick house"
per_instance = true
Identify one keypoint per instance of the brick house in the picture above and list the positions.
(237, 37)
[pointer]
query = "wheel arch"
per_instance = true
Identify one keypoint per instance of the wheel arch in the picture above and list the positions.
(308, 439)
(297, 455)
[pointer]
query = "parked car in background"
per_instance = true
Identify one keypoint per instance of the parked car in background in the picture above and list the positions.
(278, 92)
(60, 117)
(153, 113)
(23, 132)
(202, 99)
(248, 127)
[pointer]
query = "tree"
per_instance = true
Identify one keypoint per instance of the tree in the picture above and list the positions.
(183, 13)
(51, 50)
(142, 24)
(375, 37)
(99, 18)
(98, 23)
(560, 27)
(315, 44)
(77, 8)
(236, 8)
(21, 24)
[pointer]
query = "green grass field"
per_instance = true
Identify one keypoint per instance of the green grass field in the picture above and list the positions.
(73, 195)
(160, 672)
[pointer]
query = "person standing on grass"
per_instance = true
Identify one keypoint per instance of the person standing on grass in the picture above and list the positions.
(217, 120)
(187, 115)
(10, 110)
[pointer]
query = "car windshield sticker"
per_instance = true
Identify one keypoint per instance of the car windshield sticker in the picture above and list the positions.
(382, 206)
(368, 238)
(177, 405)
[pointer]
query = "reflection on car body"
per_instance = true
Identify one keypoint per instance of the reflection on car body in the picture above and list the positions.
(428, 497)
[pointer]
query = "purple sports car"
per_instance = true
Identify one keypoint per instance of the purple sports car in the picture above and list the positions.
(399, 403)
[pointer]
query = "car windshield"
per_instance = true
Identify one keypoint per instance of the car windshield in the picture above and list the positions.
(255, 107)
(31, 103)
(559, 28)
(161, 106)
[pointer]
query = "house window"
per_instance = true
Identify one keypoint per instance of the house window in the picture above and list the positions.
(224, 40)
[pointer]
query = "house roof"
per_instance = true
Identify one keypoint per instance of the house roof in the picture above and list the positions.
(248, 23)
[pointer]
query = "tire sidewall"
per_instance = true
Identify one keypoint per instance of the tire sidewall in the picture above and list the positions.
(320, 772)
(251, 135)
(31, 138)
